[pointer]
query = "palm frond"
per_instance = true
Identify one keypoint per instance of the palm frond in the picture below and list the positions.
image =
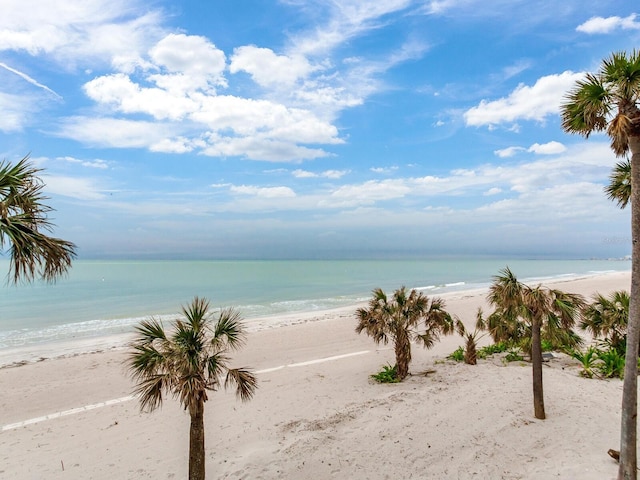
(23, 223)
(618, 130)
(619, 188)
(586, 107)
(229, 329)
(150, 390)
(150, 330)
(195, 313)
(245, 381)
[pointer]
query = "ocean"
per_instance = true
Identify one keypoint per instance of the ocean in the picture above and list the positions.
(101, 298)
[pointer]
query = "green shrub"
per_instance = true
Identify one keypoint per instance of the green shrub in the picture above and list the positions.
(388, 374)
(589, 360)
(499, 347)
(457, 355)
(513, 355)
(612, 363)
(547, 346)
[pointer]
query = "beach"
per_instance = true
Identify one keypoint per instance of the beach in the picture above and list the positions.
(318, 415)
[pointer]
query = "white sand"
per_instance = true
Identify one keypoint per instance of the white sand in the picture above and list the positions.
(321, 419)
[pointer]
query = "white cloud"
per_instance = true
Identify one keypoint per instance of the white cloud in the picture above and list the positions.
(332, 174)
(525, 102)
(508, 152)
(113, 132)
(368, 193)
(264, 192)
(123, 95)
(348, 19)
(74, 187)
(268, 69)
(551, 148)
(191, 63)
(99, 164)
(603, 25)
(77, 31)
(15, 112)
(492, 191)
(383, 169)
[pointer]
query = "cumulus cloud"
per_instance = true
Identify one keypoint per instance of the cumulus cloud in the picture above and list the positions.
(525, 102)
(604, 25)
(551, 148)
(267, 68)
(164, 78)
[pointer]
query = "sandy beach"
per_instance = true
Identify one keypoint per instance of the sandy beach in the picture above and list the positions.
(318, 415)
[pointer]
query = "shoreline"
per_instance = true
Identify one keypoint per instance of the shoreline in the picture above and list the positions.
(317, 414)
(18, 356)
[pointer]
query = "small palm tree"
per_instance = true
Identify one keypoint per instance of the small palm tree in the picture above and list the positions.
(534, 308)
(398, 318)
(607, 100)
(607, 317)
(186, 362)
(23, 221)
(471, 338)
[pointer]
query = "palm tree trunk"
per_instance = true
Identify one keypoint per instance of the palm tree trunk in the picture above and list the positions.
(536, 362)
(628, 432)
(403, 353)
(196, 442)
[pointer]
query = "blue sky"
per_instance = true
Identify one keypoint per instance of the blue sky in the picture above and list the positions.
(313, 128)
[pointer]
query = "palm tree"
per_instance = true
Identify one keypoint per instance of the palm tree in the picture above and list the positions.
(397, 319)
(471, 338)
(619, 188)
(607, 317)
(23, 219)
(608, 100)
(536, 308)
(187, 362)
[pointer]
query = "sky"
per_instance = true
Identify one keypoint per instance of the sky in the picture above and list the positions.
(314, 128)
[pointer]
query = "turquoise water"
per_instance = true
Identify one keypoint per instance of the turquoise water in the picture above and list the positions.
(101, 298)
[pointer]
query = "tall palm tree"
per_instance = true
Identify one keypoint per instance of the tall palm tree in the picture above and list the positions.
(186, 362)
(398, 318)
(536, 308)
(23, 221)
(607, 100)
(607, 317)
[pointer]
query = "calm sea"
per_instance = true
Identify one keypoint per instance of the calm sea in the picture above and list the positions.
(103, 298)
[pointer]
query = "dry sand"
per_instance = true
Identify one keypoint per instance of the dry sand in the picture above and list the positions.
(317, 415)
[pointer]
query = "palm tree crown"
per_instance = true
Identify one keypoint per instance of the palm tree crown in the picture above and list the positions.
(607, 317)
(23, 219)
(187, 362)
(607, 100)
(397, 319)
